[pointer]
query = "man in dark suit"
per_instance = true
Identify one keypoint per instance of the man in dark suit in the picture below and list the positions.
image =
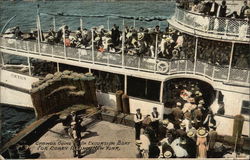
(242, 10)
(212, 7)
(222, 9)
(138, 123)
(155, 121)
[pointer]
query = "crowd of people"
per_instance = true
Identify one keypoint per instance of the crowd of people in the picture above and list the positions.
(212, 8)
(143, 42)
(187, 132)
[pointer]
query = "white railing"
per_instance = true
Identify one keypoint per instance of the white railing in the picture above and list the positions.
(233, 28)
(164, 66)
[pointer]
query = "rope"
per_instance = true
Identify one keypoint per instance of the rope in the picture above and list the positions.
(139, 18)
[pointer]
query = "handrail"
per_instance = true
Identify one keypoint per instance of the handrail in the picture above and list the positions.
(143, 64)
(234, 27)
(204, 15)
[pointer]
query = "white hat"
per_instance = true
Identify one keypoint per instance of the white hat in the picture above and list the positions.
(202, 132)
(201, 102)
(168, 154)
(178, 103)
(165, 121)
(191, 133)
(140, 36)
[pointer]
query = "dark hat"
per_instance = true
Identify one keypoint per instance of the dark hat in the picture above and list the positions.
(138, 109)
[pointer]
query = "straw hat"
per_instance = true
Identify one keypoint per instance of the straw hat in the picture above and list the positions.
(165, 122)
(191, 133)
(140, 36)
(202, 132)
(247, 12)
(201, 101)
(168, 154)
(72, 123)
(182, 124)
(178, 103)
(200, 105)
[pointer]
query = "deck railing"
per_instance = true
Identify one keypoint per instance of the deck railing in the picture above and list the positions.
(232, 27)
(146, 64)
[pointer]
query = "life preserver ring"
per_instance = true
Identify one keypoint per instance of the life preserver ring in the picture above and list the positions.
(162, 67)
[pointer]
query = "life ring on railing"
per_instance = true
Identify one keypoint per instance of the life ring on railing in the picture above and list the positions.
(162, 67)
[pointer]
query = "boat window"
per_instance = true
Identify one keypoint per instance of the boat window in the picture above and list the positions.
(108, 82)
(245, 107)
(213, 52)
(241, 56)
(143, 88)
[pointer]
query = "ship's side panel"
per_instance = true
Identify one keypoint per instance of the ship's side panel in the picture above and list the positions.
(225, 126)
(109, 99)
(15, 88)
(15, 79)
(14, 97)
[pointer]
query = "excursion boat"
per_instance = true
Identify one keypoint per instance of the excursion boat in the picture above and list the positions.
(145, 79)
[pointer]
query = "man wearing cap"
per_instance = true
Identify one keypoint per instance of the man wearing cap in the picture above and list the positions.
(138, 123)
(75, 134)
(155, 121)
(177, 112)
(210, 122)
(197, 114)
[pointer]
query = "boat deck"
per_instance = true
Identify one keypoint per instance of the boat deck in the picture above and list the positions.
(100, 131)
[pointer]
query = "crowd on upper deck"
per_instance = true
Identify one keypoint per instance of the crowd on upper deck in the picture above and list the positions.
(142, 42)
(212, 8)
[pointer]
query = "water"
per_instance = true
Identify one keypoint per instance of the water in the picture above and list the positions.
(26, 13)
(13, 120)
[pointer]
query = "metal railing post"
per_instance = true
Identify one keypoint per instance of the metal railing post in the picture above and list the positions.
(28, 59)
(92, 37)
(57, 67)
(186, 62)
(54, 23)
(204, 69)
(156, 50)
(64, 45)
(213, 72)
(2, 59)
(230, 62)
(195, 53)
(178, 66)
(81, 24)
(139, 63)
(161, 91)
(16, 45)
(123, 41)
(27, 45)
(108, 58)
(169, 70)
(52, 51)
(108, 24)
(248, 74)
(38, 38)
(125, 84)
(79, 55)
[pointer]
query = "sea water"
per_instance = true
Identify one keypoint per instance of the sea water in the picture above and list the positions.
(13, 120)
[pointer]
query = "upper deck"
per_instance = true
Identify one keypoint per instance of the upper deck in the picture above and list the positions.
(217, 28)
(144, 67)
